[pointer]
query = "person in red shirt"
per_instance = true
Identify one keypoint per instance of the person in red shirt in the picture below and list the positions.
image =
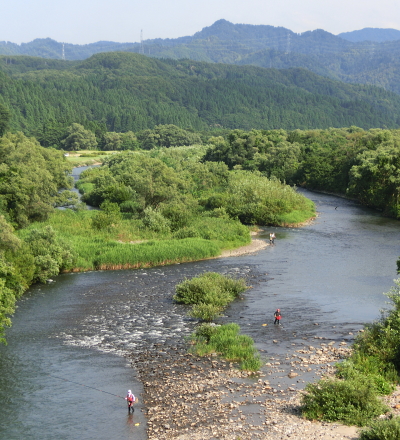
(130, 398)
(278, 317)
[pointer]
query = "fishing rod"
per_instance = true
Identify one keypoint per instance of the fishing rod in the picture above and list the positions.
(87, 386)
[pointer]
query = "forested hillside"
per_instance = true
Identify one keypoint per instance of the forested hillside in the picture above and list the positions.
(131, 92)
(371, 34)
(368, 56)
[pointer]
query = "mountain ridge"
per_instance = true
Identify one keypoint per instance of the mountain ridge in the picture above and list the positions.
(365, 62)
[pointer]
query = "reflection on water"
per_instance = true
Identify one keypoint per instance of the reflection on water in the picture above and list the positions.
(331, 272)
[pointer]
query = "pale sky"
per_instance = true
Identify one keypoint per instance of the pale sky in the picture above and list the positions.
(89, 21)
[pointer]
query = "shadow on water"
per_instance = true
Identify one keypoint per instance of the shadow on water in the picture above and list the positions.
(327, 278)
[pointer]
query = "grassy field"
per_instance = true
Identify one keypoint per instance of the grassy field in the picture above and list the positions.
(87, 157)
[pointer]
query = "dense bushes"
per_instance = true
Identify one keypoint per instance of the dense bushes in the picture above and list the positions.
(210, 293)
(361, 164)
(173, 190)
(382, 430)
(372, 370)
(352, 401)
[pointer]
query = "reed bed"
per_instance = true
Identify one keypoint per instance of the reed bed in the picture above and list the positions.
(130, 245)
(154, 253)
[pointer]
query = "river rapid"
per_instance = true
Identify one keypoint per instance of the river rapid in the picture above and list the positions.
(66, 367)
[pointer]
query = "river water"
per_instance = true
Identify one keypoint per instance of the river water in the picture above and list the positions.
(65, 369)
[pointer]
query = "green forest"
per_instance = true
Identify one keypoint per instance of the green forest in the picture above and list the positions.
(121, 92)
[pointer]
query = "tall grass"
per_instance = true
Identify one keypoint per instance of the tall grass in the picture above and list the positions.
(154, 253)
(129, 244)
(226, 341)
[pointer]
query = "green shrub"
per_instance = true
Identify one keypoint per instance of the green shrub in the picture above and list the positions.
(186, 232)
(108, 217)
(51, 253)
(382, 338)
(388, 429)
(130, 206)
(352, 401)
(155, 221)
(209, 288)
(382, 376)
(205, 331)
(226, 341)
(251, 364)
(205, 312)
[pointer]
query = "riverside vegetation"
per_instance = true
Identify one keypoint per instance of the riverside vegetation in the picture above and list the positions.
(371, 371)
(157, 207)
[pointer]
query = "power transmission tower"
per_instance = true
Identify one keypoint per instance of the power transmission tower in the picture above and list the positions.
(141, 42)
(63, 53)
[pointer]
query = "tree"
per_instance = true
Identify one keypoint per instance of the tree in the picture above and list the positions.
(5, 117)
(51, 133)
(167, 136)
(79, 138)
(112, 141)
(375, 179)
(51, 254)
(31, 178)
(7, 307)
(8, 241)
(129, 141)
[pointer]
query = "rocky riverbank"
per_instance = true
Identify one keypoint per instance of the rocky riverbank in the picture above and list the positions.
(191, 398)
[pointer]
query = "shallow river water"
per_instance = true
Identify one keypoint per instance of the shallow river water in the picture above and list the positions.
(64, 371)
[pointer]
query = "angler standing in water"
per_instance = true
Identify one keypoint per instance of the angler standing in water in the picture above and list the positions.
(130, 398)
(278, 317)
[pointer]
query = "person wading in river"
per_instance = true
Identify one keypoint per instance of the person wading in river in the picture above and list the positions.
(130, 398)
(278, 317)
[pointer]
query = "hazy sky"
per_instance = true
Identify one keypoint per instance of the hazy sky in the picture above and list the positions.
(88, 21)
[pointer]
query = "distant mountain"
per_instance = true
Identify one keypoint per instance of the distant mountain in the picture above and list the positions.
(126, 91)
(364, 62)
(371, 34)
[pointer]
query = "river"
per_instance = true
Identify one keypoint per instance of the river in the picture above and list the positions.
(66, 363)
